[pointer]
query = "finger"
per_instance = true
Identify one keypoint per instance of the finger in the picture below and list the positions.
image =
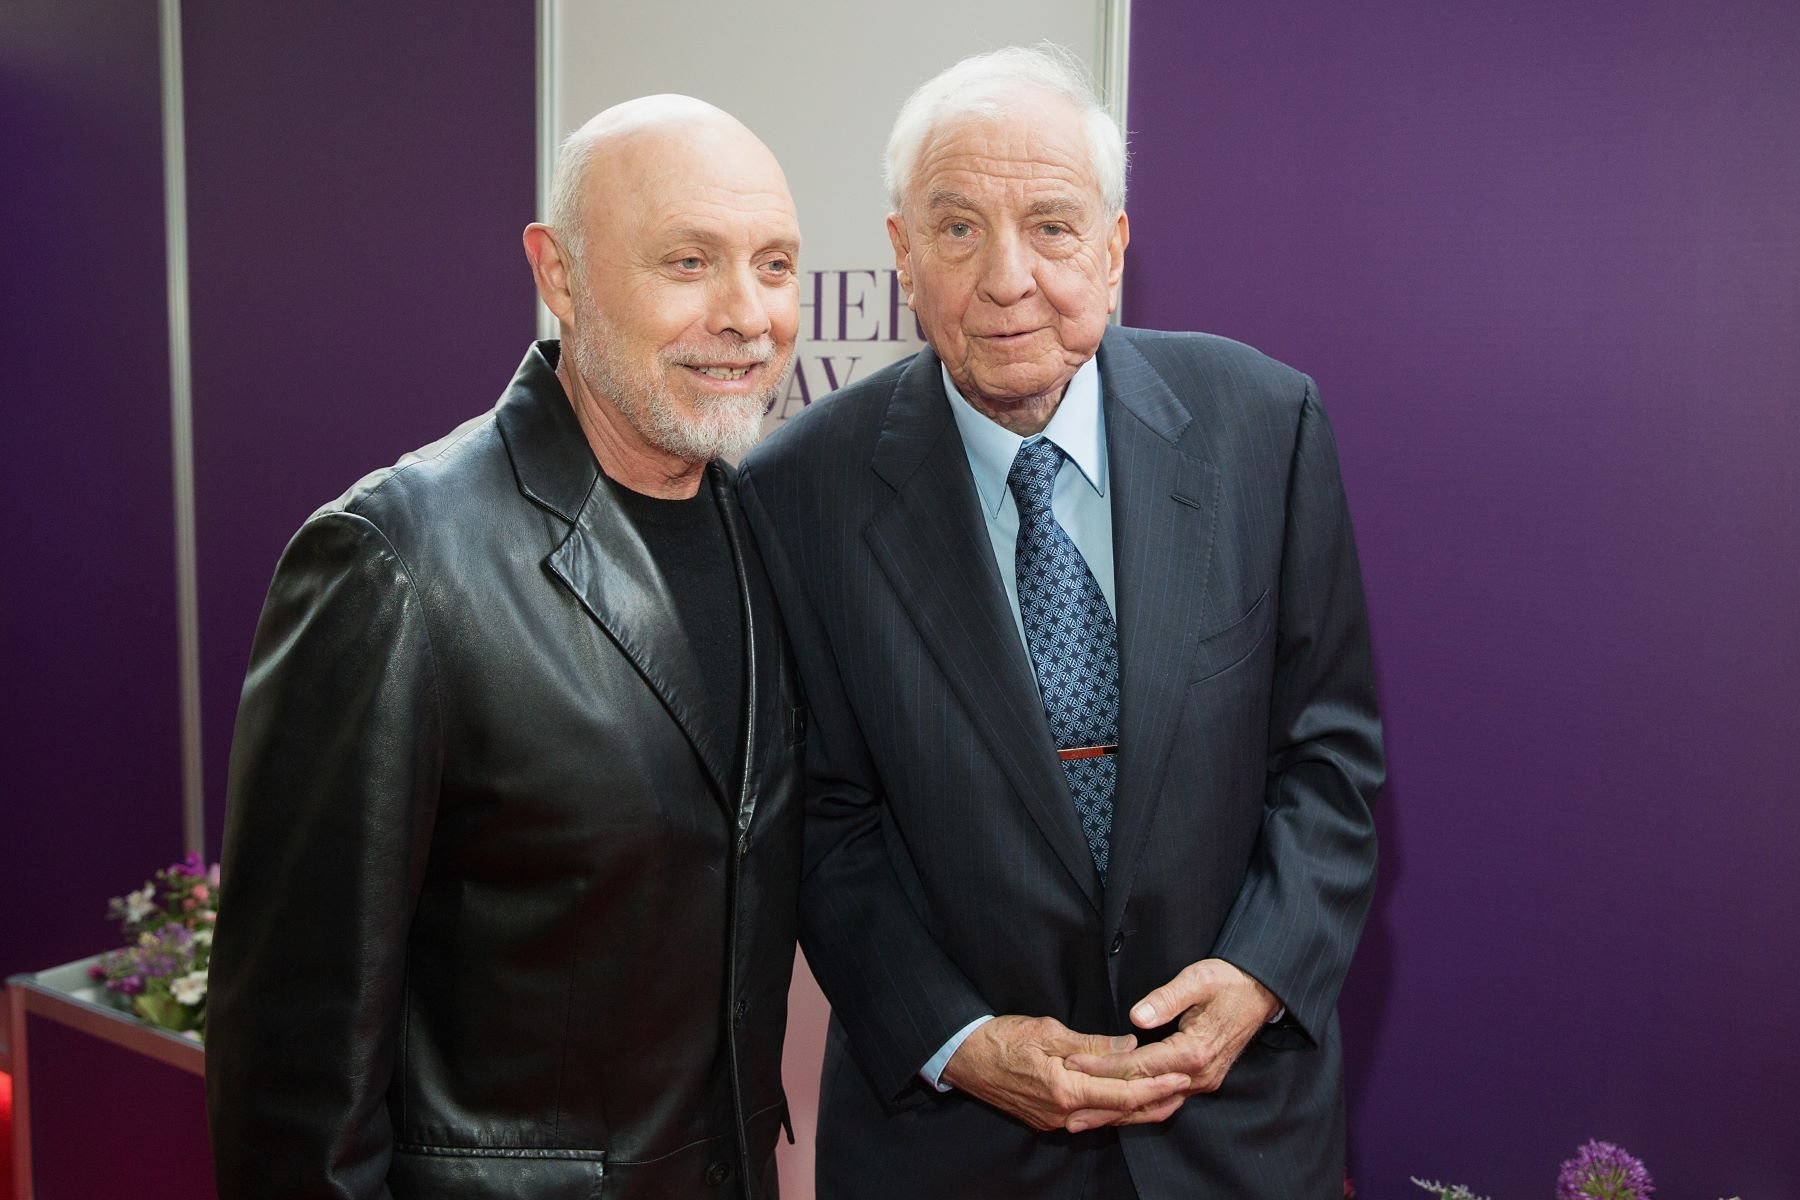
(1094, 1118)
(1178, 1055)
(1122, 1095)
(1170, 1000)
(1185, 1052)
(1094, 1044)
(1124, 1065)
(1158, 1113)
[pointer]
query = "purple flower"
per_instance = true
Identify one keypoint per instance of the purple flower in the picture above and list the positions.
(96, 972)
(1603, 1171)
(131, 985)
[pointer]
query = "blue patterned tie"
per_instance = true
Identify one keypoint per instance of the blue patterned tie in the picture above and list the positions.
(1074, 644)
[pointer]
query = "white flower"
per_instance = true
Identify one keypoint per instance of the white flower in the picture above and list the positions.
(141, 903)
(190, 989)
(203, 936)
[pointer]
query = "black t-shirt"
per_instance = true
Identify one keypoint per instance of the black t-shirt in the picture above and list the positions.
(687, 539)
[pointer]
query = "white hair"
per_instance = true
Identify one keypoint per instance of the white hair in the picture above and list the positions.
(572, 159)
(983, 85)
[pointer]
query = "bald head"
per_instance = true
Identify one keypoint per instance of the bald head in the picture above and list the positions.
(669, 263)
(598, 162)
(648, 112)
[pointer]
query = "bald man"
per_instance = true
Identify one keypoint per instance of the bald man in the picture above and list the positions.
(513, 826)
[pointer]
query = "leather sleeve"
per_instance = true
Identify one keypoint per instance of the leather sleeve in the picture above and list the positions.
(897, 994)
(333, 792)
(1295, 922)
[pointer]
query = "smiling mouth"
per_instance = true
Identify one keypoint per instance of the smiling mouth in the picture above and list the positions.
(722, 372)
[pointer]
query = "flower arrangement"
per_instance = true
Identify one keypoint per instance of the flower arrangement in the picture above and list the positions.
(160, 974)
(1602, 1171)
(1599, 1171)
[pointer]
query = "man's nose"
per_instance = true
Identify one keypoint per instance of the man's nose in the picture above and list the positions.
(740, 305)
(1008, 275)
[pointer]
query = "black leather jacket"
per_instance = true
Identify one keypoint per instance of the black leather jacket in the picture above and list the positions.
(501, 917)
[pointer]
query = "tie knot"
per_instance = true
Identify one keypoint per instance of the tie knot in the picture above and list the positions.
(1033, 475)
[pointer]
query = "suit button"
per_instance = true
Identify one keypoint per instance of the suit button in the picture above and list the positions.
(718, 1173)
(743, 1006)
(1118, 943)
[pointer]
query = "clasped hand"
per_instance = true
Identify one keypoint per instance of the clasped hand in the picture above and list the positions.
(1050, 1077)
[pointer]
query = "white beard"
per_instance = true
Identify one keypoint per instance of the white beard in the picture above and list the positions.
(724, 427)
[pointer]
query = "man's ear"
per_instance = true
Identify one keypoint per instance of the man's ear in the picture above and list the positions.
(550, 267)
(896, 228)
(1116, 241)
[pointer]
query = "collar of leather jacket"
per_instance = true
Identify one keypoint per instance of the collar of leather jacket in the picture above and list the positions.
(549, 451)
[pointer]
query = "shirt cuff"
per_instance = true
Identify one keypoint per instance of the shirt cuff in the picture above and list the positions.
(934, 1066)
(1276, 1019)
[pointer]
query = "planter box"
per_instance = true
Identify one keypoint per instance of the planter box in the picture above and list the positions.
(68, 997)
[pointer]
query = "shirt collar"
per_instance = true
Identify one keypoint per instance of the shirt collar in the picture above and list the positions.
(1078, 429)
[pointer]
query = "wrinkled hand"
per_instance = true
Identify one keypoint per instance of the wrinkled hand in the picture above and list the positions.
(1017, 1065)
(1218, 1009)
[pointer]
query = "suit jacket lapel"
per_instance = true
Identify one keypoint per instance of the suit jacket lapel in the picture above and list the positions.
(1164, 501)
(603, 560)
(932, 545)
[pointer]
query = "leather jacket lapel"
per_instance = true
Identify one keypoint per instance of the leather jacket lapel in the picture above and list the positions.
(764, 676)
(603, 560)
(930, 542)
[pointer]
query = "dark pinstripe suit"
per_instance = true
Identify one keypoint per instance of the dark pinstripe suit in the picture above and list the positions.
(946, 871)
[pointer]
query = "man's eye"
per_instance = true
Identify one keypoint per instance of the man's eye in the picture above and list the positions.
(690, 263)
(959, 229)
(778, 266)
(1055, 229)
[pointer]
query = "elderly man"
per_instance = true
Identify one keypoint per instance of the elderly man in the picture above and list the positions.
(1078, 614)
(514, 822)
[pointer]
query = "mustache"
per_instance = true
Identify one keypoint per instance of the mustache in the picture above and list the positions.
(760, 350)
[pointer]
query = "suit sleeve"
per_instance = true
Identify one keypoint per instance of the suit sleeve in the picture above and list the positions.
(333, 791)
(896, 993)
(1296, 920)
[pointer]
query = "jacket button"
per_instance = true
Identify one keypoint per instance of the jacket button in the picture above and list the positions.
(743, 1006)
(718, 1173)
(1118, 943)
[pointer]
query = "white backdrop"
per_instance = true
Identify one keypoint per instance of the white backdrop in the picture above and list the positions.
(820, 83)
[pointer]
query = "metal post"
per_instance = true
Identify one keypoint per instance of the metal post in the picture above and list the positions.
(549, 134)
(181, 427)
(21, 1096)
(1112, 75)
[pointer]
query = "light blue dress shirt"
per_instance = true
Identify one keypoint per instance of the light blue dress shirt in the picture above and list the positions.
(1079, 503)
(1079, 499)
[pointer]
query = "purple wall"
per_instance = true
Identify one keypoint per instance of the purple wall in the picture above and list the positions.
(90, 799)
(1544, 260)
(357, 181)
(359, 176)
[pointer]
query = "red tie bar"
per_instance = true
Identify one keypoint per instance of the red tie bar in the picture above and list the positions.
(1079, 752)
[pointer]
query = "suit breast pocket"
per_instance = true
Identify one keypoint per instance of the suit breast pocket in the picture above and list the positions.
(1224, 649)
